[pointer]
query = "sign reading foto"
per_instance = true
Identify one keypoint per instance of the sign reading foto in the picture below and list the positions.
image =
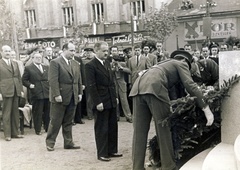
(220, 28)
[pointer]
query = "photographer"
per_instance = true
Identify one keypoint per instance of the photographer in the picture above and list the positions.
(120, 69)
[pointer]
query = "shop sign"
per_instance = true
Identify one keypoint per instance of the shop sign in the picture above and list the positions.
(138, 37)
(220, 28)
(91, 40)
(42, 42)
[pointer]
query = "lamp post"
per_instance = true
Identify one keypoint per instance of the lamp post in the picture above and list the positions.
(207, 20)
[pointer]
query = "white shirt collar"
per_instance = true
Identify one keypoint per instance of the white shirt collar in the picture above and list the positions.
(65, 59)
(6, 60)
(101, 61)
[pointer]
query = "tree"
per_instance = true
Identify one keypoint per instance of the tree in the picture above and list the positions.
(160, 23)
(11, 32)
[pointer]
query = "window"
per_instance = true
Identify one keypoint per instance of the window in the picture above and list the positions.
(98, 12)
(68, 16)
(30, 18)
(138, 9)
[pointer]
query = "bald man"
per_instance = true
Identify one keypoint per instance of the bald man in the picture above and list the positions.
(10, 90)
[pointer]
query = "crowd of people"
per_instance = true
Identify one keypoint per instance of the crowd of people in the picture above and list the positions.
(103, 83)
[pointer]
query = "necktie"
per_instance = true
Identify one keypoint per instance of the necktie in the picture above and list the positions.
(40, 68)
(8, 62)
(137, 60)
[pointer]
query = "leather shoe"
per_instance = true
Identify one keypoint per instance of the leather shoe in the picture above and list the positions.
(49, 148)
(129, 120)
(39, 133)
(101, 158)
(115, 155)
(81, 122)
(72, 147)
(18, 136)
(8, 139)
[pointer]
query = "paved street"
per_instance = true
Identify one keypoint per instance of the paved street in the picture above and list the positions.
(30, 153)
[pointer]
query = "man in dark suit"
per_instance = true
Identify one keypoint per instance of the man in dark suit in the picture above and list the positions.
(35, 78)
(100, 80)
(151, 98)
(10, 90)
(65, 92)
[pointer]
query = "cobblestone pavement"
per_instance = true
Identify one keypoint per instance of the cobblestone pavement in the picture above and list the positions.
(30, 152)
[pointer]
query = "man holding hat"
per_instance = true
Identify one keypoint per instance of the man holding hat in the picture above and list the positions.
(151, 94)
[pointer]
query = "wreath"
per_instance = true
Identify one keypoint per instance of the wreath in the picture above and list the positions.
(190, 134)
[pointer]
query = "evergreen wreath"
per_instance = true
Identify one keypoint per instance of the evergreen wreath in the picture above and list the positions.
(188, 123)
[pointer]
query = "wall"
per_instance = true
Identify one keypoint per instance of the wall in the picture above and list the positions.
(229, 62)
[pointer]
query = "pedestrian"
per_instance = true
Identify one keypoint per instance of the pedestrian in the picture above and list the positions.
(151, 98)
(137, 63)
(65, 92)
(120, 68)
(100, 81)
(161, 53)
(35, 78)
(146, 52)
(10, 90)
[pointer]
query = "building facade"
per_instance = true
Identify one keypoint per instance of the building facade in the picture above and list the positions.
(192, 29)
(51, 23)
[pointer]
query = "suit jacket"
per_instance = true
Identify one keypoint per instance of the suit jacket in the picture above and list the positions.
(161, 78)
(136, 68)
(120, 77)
(64, 80)
(10, 79)
(209, 72)
(32, 75)
(161, 57)
(100, 82)
(152, 59)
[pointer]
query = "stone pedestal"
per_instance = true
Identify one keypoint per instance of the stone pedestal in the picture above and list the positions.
(229, 65)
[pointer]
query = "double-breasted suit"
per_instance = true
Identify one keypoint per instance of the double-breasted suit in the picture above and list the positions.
(39, 94)
(10, 89)
(151, 98)
(101, 84)
(65, 81)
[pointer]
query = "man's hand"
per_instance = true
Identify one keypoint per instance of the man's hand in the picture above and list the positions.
(209, 116)
(100, 107)
(22, 94)
(1, 98)
(79, 97)
(83, 87)
(32, 86)
(58, 99)
(117, 100)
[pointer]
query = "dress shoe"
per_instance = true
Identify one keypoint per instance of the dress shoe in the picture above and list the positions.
(115, 155)
(129, 120)
(90, 118)
(39, 133)
(49, 148)
(72, 147)
(81, 122)
(101, 158)
(18, 136)
(8, 139)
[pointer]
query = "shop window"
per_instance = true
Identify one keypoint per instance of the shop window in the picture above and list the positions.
(68, 16)
(30, 18)
(138, 9)
(98, 12)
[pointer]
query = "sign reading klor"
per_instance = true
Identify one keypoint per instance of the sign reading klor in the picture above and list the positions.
(42, 42)
(221, 28)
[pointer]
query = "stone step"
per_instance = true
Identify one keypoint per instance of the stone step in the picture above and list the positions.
(197, 161)
(237, 151)
(222, 157)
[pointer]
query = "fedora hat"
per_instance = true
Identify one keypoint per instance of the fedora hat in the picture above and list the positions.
(182, 54)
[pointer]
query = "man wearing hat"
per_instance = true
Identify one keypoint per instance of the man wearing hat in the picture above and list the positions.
(151, 94)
